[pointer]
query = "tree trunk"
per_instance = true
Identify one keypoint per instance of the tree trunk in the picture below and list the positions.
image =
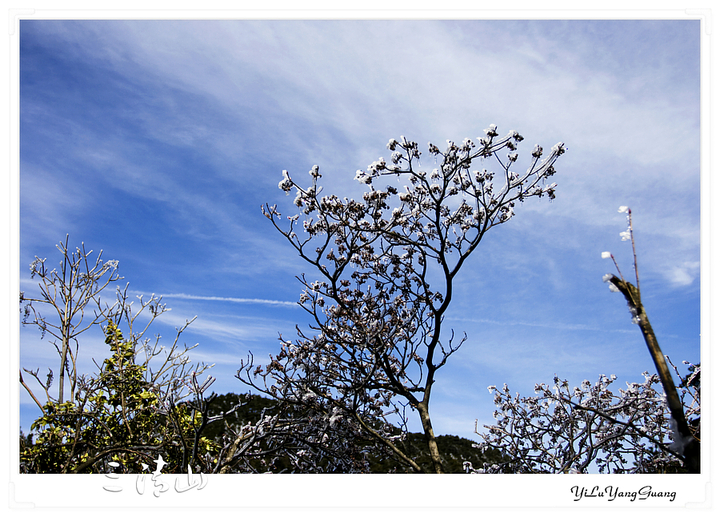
(430, 437)
(691, 449)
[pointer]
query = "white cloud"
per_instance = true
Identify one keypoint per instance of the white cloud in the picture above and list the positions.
(683, 275)
(318, 85)
(230, 299)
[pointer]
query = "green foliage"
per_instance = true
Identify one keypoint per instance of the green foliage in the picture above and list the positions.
(116, 416)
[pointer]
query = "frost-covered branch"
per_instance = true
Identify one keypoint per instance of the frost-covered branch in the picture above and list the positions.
(585, 429)
(386, 266)
(687, 444)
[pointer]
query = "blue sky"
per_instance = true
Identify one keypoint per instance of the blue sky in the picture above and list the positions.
(158, 141)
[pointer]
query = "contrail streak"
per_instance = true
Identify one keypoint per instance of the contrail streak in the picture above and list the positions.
(232, 300)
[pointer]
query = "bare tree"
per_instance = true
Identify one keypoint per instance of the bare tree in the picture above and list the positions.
(70, 294)
(387, 266)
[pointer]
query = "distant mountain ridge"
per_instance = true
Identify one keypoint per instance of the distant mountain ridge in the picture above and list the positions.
(455, 450)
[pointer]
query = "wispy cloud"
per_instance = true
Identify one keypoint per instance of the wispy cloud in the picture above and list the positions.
(556, 326)
(230, 299)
